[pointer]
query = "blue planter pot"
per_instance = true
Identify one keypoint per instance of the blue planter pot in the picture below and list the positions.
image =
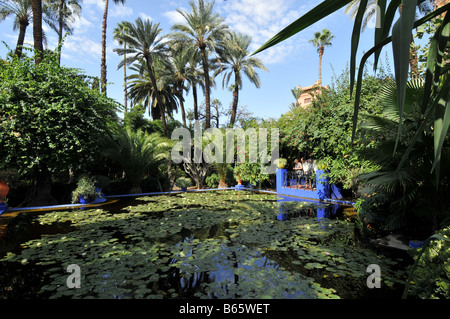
(416, 244)
(183, 189)
(84, 200)
(3, 207)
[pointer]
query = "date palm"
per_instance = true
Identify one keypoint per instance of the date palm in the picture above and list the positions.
(196, 80)
(21, 11)
(66, 12)
(141, 91)
(145, 42)
(104, 28)
(36, 7)
(184, 64)
(234, 59)
(118, 31)
(320, 41)
(203, 28)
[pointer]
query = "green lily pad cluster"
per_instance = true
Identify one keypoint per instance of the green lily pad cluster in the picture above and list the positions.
(197, 245)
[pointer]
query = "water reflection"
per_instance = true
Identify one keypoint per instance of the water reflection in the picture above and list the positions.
(298, 207)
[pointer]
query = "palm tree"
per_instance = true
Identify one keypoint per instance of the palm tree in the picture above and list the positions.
(22, 13)
(66, 11)
(138, 153)
(352, 10)
(184, 70)
(410, 188)
(36, 7)
(118, 31)
(203, 29)
(104, 27)
(141, 91)
(195, 80)
(234, 59)
(320, 41)
(144, 42)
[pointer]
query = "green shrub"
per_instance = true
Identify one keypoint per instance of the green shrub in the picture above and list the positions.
(85, 187)
(183, 182)
(431, 278)
(213, 181)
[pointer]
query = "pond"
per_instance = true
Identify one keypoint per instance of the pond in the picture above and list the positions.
(224, 244)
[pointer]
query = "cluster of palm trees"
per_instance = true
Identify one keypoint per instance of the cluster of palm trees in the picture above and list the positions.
(191, 56)
(58, 14)
(165, 66)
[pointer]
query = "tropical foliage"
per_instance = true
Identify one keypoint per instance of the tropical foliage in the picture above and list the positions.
(324, 130)
(202, 29)
(138, 154)
(234, 60)
(144, 42)
(40, 102)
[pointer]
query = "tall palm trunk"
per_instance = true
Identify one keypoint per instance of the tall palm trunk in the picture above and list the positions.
(321, 50)
(207, 88)
(60, 28)
(180, 98)
(125, 79)
(235, 100)
(36, 7)
(194, 94)
(23, 24)
(103, 65)
(158, 96)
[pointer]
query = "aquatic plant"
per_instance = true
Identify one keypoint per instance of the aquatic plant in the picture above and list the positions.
(224, 244)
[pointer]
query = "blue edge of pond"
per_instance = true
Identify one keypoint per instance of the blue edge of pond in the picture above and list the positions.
(104, 199)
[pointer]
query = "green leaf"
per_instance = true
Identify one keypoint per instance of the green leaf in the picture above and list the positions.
(401, 45)
(355, 41)
(319, 12)
(427, 117)
(379, 34)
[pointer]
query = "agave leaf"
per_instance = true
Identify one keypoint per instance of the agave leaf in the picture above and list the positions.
(319, 12)
(355, 41)
(401, 45)
(389, 15)
(442, 114)
(441, 126)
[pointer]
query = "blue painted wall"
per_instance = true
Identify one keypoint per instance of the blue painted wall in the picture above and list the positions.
(324, 190)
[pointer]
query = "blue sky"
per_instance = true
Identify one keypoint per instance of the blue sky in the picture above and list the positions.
(291, 63)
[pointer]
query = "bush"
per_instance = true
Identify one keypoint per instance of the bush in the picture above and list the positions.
(183, 182)
(431, 278)
(85, 187)
(213, 181)
(50, 117)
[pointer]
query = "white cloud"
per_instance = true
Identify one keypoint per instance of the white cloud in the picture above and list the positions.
(262, 19)
(81, 25)
(144, 16)
(99, 3)
(120, 11)
(83, 48)
(174, 16)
